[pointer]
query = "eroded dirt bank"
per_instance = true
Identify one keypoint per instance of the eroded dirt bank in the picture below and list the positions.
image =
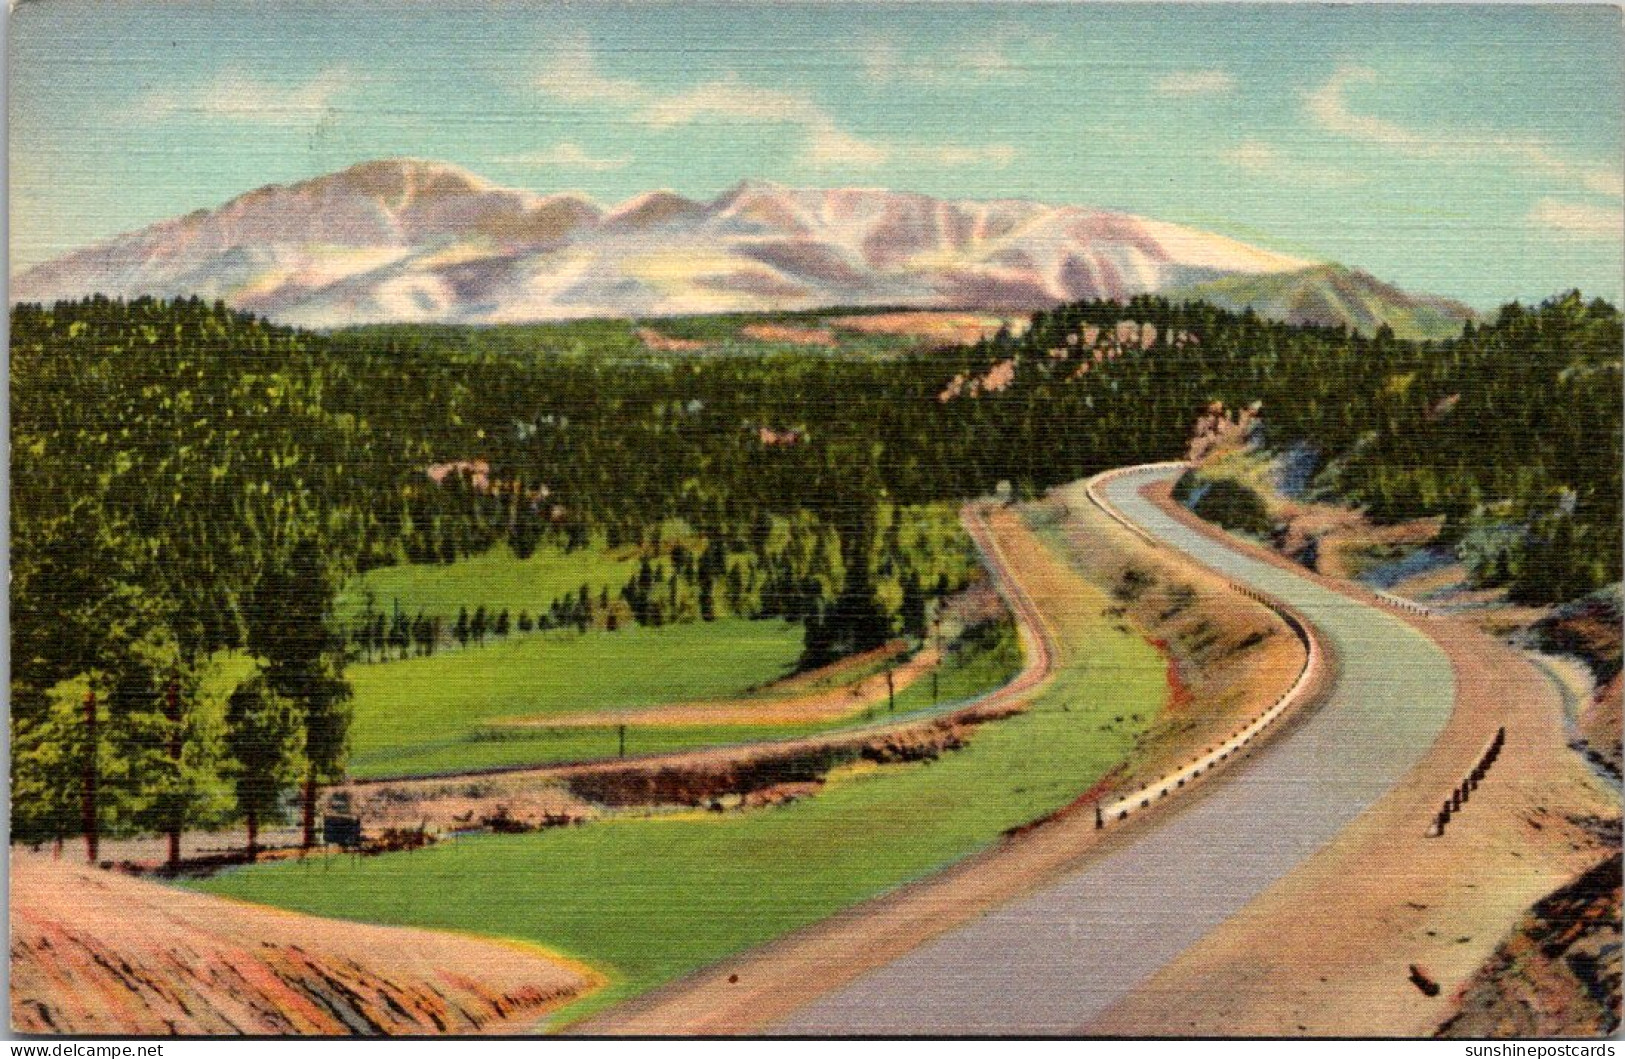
(94, 952)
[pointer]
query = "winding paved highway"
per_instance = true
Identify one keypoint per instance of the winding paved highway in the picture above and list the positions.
(1049, 962)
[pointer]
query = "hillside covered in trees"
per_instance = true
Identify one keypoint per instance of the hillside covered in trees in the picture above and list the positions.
(189, 480)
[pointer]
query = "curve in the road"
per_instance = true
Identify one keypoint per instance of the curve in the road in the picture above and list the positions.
(1038, 663)
(1048, 963)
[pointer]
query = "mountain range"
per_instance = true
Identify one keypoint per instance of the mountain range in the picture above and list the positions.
(403, 240)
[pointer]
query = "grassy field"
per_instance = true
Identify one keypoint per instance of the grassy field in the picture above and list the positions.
(427, 714)
(430, 715)
(495, 580)
(418, 716)
(647, 899)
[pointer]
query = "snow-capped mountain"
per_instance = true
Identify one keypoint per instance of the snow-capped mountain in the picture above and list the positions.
(409, 240)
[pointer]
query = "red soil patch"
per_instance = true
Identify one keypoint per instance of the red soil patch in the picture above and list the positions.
(1089, 799)
(660, 343)
(97, 953)
(824, 675)
(1179, 693)
(940, 327)
(827, 704)
(798, 336)
(1565, 952)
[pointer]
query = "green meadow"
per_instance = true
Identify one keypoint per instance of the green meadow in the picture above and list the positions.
(433, 715)
(421, 715)
(647, 899)
(495, 580)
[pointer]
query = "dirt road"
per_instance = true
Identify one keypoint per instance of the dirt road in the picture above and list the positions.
(1037, 667)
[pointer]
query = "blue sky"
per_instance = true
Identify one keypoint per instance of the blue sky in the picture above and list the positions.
(1469, 151)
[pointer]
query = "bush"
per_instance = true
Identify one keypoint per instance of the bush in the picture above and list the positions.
(1233, 506)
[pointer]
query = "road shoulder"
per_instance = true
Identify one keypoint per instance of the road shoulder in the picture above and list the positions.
(1328, 950)
(754, 991)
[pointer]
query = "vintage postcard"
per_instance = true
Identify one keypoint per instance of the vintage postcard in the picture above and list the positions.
(815, 519)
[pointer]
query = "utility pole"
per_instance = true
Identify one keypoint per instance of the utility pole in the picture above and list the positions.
(623, 740)
(891, 691)
(89, 802)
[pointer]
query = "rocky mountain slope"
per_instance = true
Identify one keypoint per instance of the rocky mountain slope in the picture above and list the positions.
(1332, 295)
(409, 240)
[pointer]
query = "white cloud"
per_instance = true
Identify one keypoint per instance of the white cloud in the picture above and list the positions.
(994, 155)
(1604, 182)
(729, 99)
(566, 156)
(234, 97)
(1195, 83)
(1577, 220)
(1329, 107)
(572, 76)
(829, 147)
(1262, 158)
(987, 58)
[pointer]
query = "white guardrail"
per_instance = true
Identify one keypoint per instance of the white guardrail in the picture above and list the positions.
(1409, 606)
(1117, 516)
(1156, 791)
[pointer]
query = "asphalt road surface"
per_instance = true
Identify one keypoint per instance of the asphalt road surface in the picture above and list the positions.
(1049, 962)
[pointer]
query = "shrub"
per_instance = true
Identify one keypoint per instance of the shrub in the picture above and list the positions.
(1234, 506)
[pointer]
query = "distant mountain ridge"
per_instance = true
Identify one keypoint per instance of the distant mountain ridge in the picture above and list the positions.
(1331, 295)
(403, 240)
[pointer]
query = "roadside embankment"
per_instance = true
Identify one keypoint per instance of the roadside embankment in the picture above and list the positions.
(1338, 946)
(96, 952)
(1228, 660)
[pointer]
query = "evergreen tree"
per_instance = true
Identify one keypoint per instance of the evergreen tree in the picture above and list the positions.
(526, 531)
(913, 611)
(291, 629)
(708, 604)
(263, 735)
